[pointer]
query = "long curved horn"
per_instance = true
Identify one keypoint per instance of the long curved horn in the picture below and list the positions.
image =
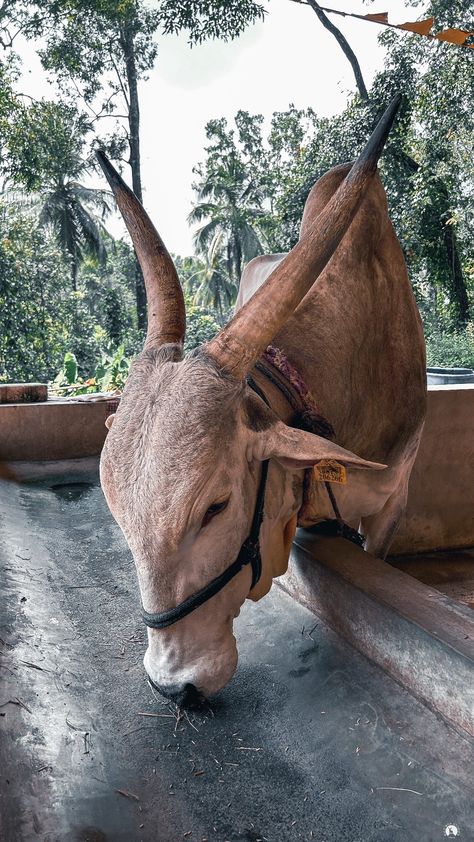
(166, 313)
(239, 344)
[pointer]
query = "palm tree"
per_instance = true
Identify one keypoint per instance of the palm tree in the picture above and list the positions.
(69, 208)
(211, 285)
(230, 205)
(48, 139)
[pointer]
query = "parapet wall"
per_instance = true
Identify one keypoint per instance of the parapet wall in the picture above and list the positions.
(440, 511)
(52, 430)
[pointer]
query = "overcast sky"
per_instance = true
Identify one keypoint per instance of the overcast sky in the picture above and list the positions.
(288, 58)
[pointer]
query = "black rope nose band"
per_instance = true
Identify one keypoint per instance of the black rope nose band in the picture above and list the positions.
(249, 554)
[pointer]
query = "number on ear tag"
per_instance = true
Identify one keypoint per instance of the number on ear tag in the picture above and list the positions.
(330, 471)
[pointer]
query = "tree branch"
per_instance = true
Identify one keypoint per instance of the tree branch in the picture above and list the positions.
(343, 43)
(120, 80)
(345, 47)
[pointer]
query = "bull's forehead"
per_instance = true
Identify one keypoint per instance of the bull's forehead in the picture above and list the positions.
(177, 422)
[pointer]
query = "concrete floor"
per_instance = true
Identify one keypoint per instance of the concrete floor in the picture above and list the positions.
(309, 741)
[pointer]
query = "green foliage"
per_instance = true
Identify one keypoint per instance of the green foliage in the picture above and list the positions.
(98, 50)
(437, 219)
(41, 317)
(44, 153)
(109, 293)
(451, 349)
(210, 284)
(229, 201)
(85, 41)
(9, 104)
(33, 305)
(111, 371)
(427, 168)
(200, 327)
(70, 367)
(205, 19)
(45, 138)
(250, 188)
(110, 374)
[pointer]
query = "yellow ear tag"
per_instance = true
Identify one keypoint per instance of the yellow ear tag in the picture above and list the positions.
(328, 470)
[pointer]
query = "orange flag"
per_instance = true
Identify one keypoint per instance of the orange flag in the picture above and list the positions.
(422, 27)
(382, 17)
(454, 36)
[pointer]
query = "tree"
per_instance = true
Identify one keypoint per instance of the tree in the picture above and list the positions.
(35, 311)
(210, 284)
(98, 50)
(109, 294)
(204, 19)
(229, 202)
(44, 144)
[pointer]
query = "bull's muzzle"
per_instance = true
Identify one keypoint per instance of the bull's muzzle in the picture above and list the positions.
(184, 696)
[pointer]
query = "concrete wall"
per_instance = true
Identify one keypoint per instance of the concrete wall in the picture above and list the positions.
(52, 430)
(440, 512)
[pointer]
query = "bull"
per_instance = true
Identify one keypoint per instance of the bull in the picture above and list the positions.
(202, 468)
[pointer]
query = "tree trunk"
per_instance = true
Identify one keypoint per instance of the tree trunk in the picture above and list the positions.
(74, 268)
(128, 47)
(237, 259)
(458, 286)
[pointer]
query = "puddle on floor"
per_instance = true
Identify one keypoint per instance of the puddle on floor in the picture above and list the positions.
(72, 490)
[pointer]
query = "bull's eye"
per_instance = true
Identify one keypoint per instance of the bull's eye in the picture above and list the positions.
(213, 511)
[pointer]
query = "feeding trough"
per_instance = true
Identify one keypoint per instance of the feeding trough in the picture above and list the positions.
(449, 376)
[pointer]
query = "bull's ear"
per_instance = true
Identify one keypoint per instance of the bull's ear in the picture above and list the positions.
(297, 449)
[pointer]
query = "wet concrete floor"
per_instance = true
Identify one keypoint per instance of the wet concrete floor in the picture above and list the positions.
(309, 741)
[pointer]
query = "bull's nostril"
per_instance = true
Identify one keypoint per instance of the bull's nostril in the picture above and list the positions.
(185, 696)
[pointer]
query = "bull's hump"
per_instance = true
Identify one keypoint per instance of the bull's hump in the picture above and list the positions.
(255, 274)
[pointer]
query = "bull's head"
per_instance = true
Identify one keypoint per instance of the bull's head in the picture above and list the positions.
(182, 464)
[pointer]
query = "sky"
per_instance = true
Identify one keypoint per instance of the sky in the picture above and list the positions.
(289, 58)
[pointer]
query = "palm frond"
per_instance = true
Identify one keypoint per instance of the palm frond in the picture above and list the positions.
(203, 236)
(203, 210)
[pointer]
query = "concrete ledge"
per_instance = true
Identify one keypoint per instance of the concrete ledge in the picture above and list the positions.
(415, 633)
(23, 392)
(52, 430)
